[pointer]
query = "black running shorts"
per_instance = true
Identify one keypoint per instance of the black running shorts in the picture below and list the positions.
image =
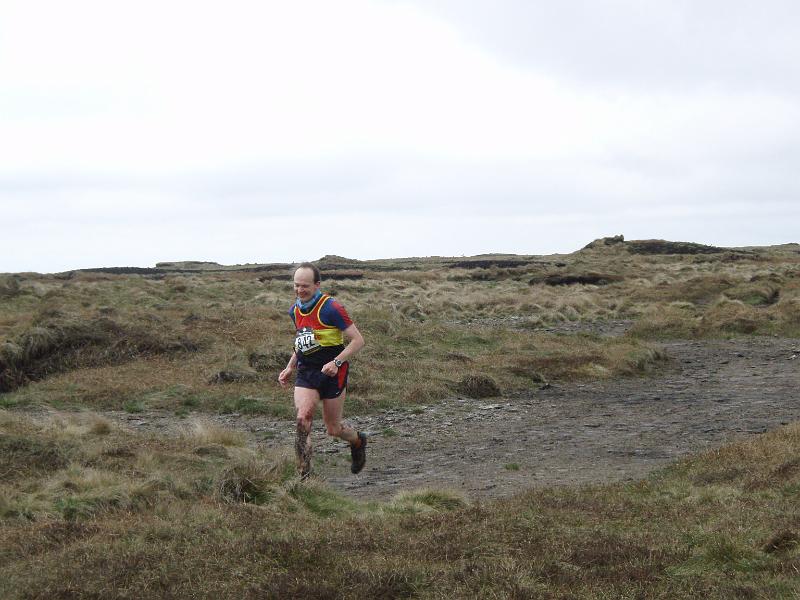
(327, 386)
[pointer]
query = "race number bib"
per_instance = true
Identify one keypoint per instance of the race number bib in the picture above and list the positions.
(305, 342)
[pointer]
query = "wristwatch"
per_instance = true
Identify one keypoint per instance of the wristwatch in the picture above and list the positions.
(337, 362)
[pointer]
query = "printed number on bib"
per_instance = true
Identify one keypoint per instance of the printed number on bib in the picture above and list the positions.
(305, 342)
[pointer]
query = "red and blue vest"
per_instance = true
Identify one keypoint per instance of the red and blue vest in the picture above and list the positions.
(319, 338)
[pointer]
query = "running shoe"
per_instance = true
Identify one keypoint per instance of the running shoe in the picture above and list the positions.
(359, 454)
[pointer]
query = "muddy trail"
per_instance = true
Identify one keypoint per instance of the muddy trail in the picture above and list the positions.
(711, 393)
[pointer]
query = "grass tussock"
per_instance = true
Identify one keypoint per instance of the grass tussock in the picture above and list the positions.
(203, 433)
(9, 287)
(675, 320)
(253, 480)
(731, 316)
(478, 386)
(427, 500)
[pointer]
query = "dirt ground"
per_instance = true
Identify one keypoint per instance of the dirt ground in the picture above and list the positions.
(710, 393)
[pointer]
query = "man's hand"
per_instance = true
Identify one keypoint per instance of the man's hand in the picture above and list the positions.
(330, 369)
(283, 378)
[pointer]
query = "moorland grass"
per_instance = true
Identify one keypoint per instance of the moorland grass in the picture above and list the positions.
(128, 512)
(119, 342)
(405, 363)
(89, 509)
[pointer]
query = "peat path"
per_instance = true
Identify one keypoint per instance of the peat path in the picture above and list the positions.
(713, 392)
(571, 433)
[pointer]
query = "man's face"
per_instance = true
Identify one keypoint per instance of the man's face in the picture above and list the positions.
(304, 286)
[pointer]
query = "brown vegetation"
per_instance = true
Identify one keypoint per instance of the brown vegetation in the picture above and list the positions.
(89, 508)
(117, 513)
(501, 314)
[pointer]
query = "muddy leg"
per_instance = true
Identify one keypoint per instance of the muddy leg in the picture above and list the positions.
(303, 450)
(305, 401)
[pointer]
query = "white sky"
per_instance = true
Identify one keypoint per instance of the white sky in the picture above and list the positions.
(259, 131)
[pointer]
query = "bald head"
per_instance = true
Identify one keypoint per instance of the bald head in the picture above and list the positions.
(306, 282)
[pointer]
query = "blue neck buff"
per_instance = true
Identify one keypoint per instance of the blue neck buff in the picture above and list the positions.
(306, 306)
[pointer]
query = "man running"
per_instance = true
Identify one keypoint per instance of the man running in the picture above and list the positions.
(320, 356)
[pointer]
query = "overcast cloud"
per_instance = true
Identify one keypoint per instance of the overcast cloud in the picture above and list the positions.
(259, 131)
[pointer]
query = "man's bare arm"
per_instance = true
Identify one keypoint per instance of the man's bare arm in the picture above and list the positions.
(354, 345)
(283, 378)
